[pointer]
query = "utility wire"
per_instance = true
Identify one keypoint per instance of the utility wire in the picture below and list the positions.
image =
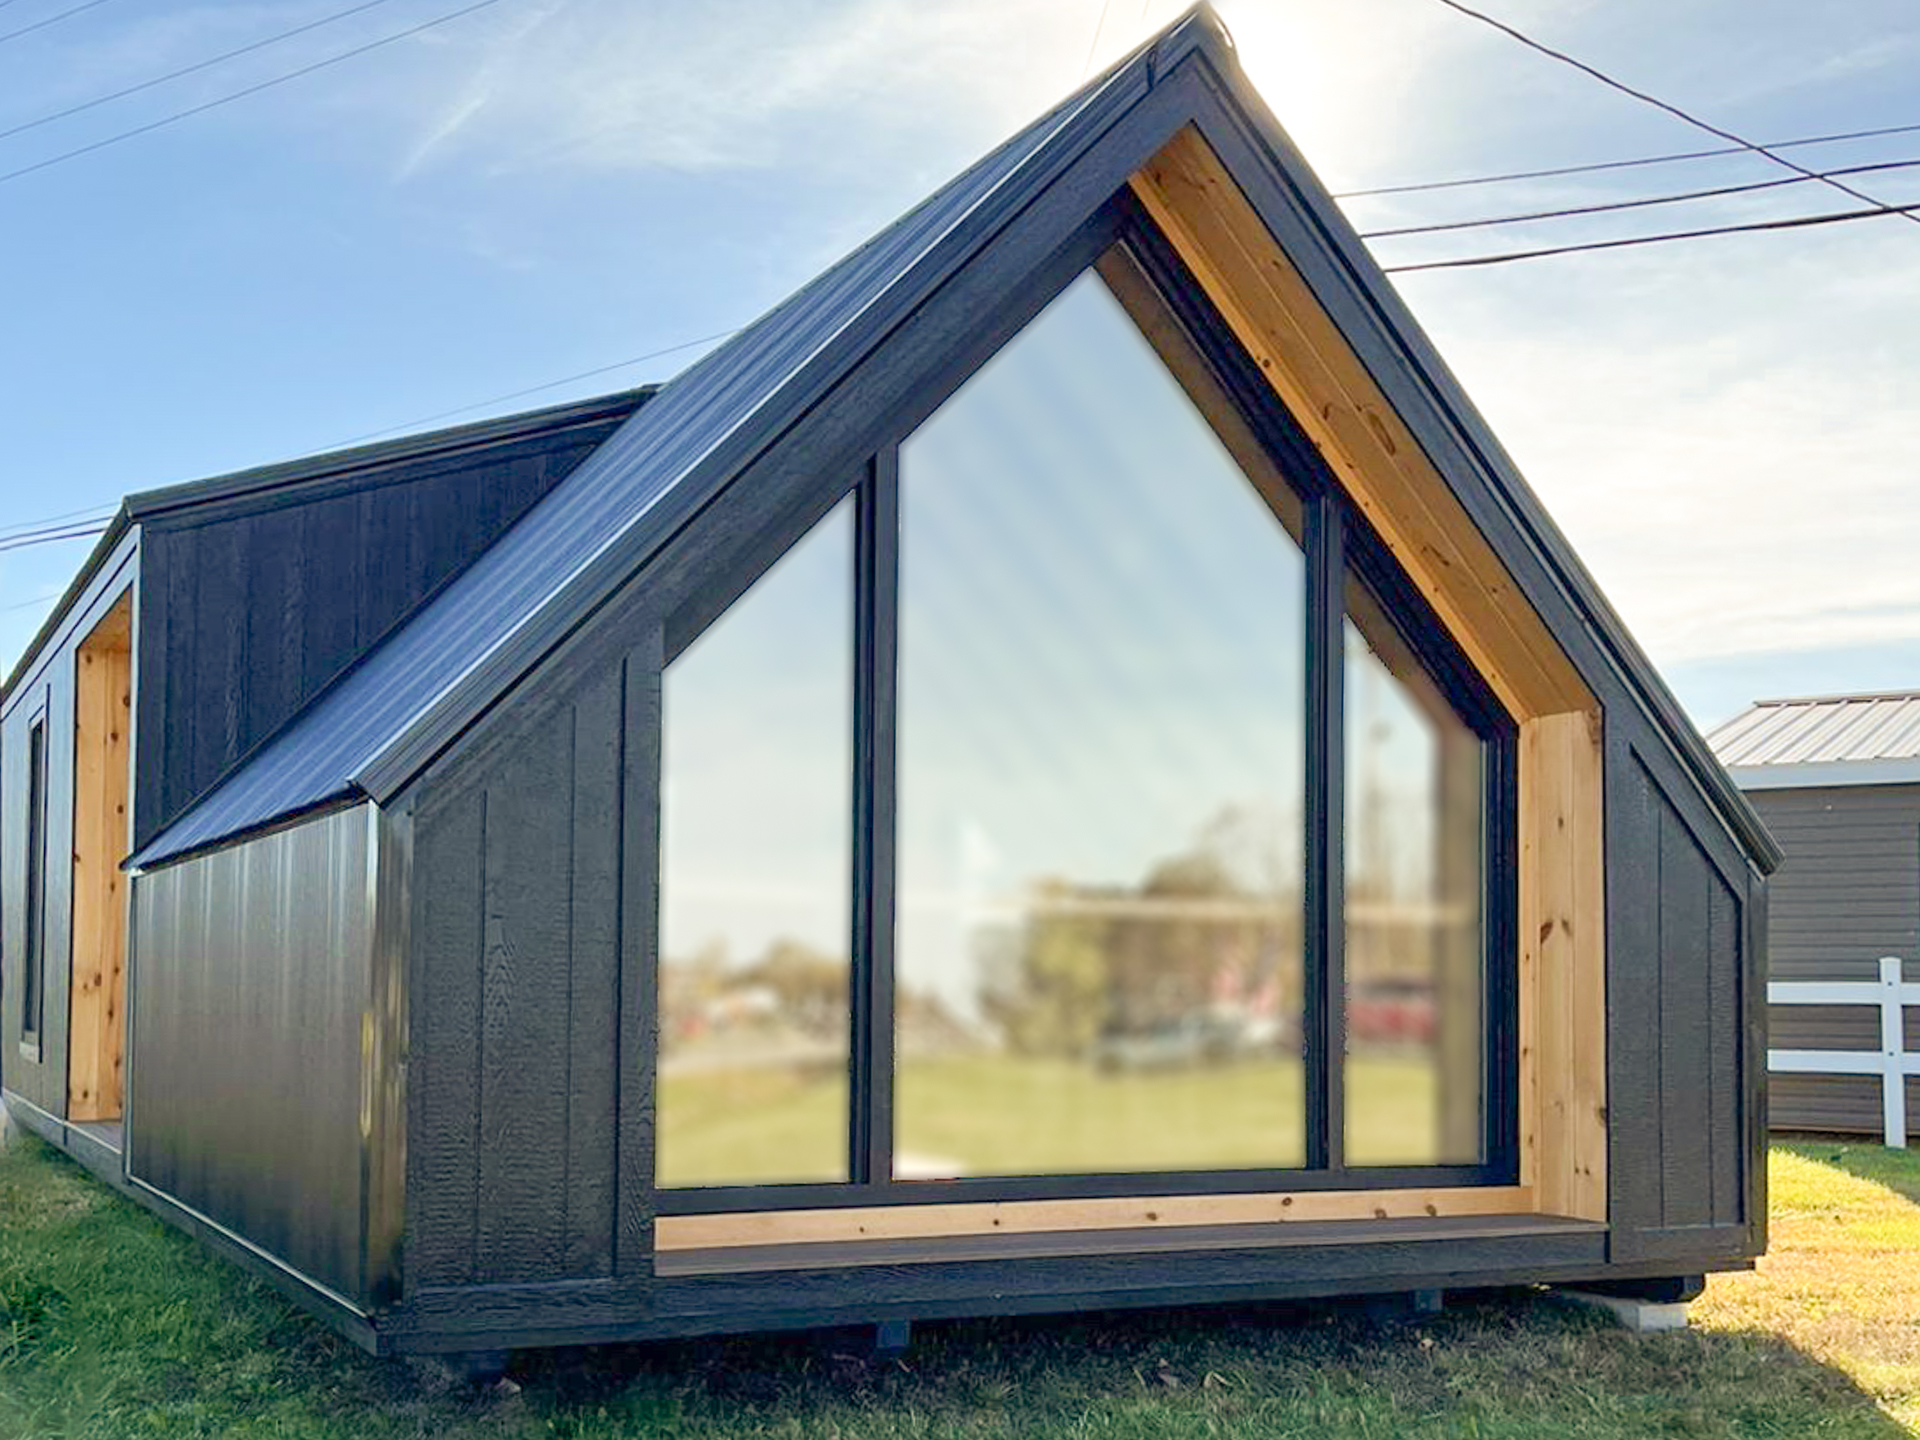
(229, 98)
(76, 533)
(1599, 165)
(1792, 223)
(52, 532)
(50, 20)
(534, 389)
(189, 69)
(1086, 66)
(91, 512)
(1613, 205)
(1674, 110)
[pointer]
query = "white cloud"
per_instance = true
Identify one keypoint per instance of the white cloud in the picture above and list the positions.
(740, 84)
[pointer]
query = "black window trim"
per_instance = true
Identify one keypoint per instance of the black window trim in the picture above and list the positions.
(1339, 542)
(33, 944)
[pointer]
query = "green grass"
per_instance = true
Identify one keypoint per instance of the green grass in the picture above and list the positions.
(113, 1325)
(1002, 1115)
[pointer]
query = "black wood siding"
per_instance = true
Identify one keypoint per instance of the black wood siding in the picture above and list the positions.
(1847, 893)
(1686, 1054)
(516, 1002)
(254, 603)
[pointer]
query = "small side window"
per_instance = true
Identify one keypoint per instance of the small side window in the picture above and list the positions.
(31, 962)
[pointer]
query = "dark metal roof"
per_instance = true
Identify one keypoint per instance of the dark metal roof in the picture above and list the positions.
(332, 465)
(386, 719)
(371, 732)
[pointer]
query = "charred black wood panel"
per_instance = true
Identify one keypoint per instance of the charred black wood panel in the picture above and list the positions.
(518, 1023)
(1684, 1047)
(255, 605)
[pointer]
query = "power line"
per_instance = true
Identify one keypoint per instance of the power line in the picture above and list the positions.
(1599, 165)
(50, 20)
(1094, 44)
(1791, 223)
(534, 389)
(53, 532)
(189, 69)
(1612, 205)
(91, 512)
(1674, 110)
(228, 99)
(78, 532)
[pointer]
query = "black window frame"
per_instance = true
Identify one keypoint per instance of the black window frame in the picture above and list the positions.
(33, 945)
(1339, 543)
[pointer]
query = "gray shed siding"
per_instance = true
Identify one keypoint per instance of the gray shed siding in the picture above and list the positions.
(1847, 893)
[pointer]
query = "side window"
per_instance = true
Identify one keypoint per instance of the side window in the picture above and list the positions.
(755, 906)
(33, 959)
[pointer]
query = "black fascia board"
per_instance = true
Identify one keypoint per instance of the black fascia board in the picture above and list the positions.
(148, 505)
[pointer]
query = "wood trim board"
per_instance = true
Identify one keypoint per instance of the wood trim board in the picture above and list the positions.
(103, 719)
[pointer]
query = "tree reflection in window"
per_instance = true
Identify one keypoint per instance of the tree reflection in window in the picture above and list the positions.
(1100, 767)
(1415, 986)
(755, 901)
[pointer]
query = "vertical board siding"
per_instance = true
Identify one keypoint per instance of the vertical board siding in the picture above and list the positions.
(443, 1096)
(1847, 894)
(250, 986)
(249, 615)
(516, 1013)
(1679, 996)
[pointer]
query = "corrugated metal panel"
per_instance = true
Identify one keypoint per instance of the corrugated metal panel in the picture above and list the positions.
(252, 975)
(615, 493)
(1822, 730)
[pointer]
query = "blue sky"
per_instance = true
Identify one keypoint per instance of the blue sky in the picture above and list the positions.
(1724, 428)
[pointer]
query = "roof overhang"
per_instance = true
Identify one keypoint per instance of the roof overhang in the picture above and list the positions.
(1826, 774)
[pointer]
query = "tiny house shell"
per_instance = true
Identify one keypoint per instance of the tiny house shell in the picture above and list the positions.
(1062, 767)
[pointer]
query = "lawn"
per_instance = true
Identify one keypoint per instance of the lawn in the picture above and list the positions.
(1000, 1115)
(112, 1325)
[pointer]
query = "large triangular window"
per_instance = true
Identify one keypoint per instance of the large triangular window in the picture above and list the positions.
(1172, 824)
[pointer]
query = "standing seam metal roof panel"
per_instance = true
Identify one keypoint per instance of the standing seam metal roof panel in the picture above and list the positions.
(321, 756)
(1822, 730)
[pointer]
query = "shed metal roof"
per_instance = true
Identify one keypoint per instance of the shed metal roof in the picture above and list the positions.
(1823, 740)
(384, 720)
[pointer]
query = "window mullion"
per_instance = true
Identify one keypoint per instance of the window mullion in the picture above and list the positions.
(876, 620)
(1325, 1018)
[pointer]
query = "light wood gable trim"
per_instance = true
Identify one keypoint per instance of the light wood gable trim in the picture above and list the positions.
(102, 721)
(1315, 373)
(1276, 317)
(1027, 1217)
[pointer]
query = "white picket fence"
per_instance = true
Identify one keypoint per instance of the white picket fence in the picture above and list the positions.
(1892, 1062)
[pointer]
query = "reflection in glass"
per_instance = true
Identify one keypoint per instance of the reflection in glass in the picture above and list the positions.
(1100, 767)
(755, 900)
(1415, 790)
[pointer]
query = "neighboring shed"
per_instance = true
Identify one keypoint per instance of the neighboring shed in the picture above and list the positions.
(1837, 779)
(1060, 768)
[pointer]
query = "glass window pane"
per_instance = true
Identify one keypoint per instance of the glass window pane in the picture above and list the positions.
(1100, 768)
(1415, 794)
(755, 897)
